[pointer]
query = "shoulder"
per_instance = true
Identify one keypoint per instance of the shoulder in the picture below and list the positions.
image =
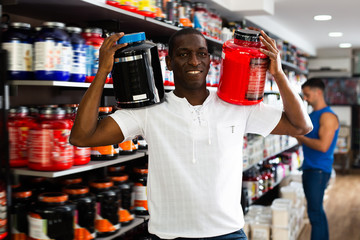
(329, 119)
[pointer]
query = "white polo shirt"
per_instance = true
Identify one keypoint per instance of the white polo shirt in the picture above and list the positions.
(195, 162)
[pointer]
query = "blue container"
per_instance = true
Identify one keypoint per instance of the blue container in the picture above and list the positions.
(78, 64)
(52, 53)
(17, 41)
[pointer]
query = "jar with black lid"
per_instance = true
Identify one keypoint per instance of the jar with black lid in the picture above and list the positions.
(107, 221)
(85, 203)
(121, 181)
(140, 189)
(52, 217)
(21, 203)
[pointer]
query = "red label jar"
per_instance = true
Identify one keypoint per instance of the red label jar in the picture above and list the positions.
(243, 69)
(49, 147)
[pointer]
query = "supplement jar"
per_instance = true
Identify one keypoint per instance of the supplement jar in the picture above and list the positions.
(52, 53)
(21, 202)
(19, 124)
(140, 189)
(108, 152)
(78, 60)
(3, 210)
(85, 213)
(243, 69)
(52, 217)
(17, 41)
(107, 202)
(49, 147)
(121, 181)
(137, 73)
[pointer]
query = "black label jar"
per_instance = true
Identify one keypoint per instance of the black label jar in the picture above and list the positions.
(21, 201)
(85, 203)
(137, 76)
(52, 217)
(107, 201)
(140, 189)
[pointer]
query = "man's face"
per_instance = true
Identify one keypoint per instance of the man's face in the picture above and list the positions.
(190, 61)
(311, 95)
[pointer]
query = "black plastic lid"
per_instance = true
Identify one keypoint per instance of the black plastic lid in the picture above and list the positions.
(247, 35)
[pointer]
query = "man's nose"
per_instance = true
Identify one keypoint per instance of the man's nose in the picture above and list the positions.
(193, 59)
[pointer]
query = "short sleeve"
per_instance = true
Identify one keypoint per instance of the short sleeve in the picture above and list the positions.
(262, 119)
(131, 122)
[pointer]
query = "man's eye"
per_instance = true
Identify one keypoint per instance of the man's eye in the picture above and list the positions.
(183, 54)
(203, 54)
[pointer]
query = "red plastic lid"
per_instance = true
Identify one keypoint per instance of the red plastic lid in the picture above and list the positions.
(53, 197)
(120, 178)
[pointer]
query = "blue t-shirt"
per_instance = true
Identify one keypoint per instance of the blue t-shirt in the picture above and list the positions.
(314, 159)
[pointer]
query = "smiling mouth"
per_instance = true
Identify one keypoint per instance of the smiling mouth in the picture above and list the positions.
(193, 72)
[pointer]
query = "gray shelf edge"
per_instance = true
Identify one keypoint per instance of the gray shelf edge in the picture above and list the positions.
(77, 169)
(137, 221)
(52, 83)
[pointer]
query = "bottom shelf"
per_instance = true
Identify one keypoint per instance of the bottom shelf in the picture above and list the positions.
(137, 221)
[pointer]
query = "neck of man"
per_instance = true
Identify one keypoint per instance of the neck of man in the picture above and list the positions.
(320, 104)
(194, 97)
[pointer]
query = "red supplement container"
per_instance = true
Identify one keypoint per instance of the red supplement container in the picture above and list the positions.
(52, 217)
(243, 69)
(85, 210)
(19, 124)
(107, 202)
(49, 147)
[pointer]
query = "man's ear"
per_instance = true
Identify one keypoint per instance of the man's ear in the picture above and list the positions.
(168, 62)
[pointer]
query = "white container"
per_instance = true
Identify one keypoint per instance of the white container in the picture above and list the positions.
(281, 233)
(281, 212)
(260, 230)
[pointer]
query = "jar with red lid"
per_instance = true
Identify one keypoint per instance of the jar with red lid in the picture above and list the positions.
(121, 181)
(107, 202)
(201, 17)
(108, 152)
(49, 147)
(52, 217)
(85, 213)
(19, 124)
(243, 69)
(81, 154)
(251, 182)
(21, 201)
(140, 189)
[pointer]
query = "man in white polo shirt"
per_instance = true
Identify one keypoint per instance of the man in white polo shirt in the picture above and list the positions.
(195, 139)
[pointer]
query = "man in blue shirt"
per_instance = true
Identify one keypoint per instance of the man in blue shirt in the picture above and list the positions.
(318, 146)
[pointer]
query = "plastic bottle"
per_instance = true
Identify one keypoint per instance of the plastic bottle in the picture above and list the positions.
(52, 53)
(201, 18)
(3, 210)
(17, 41)
(140, 189)
(78, 64)
(85, 203)
(121, 181)
(107, 152)
(21, 201)
(93, 42)
(107, 220)
(49, 147)
(137, 73)
(19, 124)
(243, 71)
(52, 217)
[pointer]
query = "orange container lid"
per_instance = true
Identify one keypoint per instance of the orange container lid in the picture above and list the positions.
(101, 184)
(53, 197)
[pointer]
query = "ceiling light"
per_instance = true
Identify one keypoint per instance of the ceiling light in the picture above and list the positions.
(335, 34)
(322, 17)
(345, 45)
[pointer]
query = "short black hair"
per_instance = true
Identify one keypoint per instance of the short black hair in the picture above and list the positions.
(184, 31)
(314, 83)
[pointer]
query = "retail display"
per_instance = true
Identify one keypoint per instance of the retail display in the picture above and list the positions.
(52, 52)
(17, 41)
(243, 71)
(137, 73)
(52, 217)
(85, 203)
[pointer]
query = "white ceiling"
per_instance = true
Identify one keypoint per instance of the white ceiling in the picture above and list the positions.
(293, 21)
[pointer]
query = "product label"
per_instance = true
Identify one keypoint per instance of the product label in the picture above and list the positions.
(18, 142)
(78, 65)
(92, 60)
(146, 5)
(53, 56)
(48, 146)
(19, 56)
(38, 228)
(140, 202)
(257, 78)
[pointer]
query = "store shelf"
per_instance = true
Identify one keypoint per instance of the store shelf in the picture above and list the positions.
(77, 169)
(293, 67)
(137, 221)
(53, 83)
